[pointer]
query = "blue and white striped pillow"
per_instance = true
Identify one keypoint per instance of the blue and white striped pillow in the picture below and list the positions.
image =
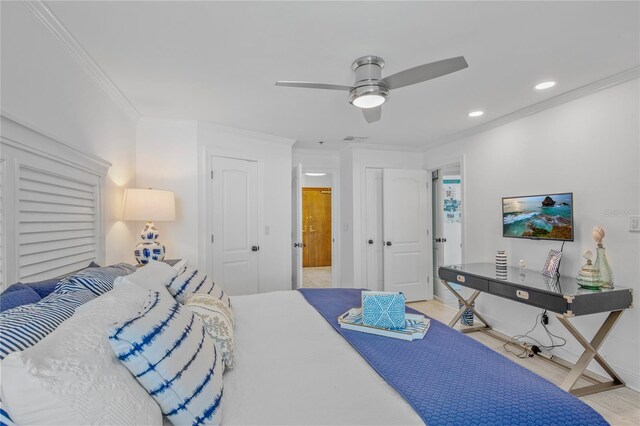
(24, 326)
(97, 280)
(5, 420)
(190, 280)
(171, 355)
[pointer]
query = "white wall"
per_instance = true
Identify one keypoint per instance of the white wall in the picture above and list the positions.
(315, 159)
(45, 89)
(167, 158)
(325, 181)
(172, 155)
(589, 146)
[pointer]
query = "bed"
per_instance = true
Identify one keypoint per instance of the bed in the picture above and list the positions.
(293, 364)
(293, 368)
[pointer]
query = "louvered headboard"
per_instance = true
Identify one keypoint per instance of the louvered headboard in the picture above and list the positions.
(51, 207)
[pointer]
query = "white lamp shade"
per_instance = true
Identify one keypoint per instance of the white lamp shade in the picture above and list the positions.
(149, 205)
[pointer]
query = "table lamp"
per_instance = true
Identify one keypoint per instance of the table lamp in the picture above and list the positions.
(149, 205)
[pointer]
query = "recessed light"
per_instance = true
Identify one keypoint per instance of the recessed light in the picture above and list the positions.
(476, 113)
(315, 174)
(545, 85)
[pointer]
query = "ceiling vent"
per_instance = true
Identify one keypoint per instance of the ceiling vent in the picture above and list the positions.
(355, 138)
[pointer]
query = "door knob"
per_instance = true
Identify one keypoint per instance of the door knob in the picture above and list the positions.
(255, 248)
(370, 242)
(389, 243)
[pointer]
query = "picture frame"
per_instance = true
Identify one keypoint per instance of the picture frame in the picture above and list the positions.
(552, 264)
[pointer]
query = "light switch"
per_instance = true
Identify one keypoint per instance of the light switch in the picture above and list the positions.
(267, 230)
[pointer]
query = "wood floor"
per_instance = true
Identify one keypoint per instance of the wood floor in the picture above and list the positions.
(316, 277)
(619, 406)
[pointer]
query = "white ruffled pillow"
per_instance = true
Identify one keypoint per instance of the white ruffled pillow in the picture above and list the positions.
(152, 276)
(217, 319)
(181, 265)
(190, 280)
(71, 377)
(169, 352)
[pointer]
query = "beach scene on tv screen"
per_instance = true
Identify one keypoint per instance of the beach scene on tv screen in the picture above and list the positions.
(541, 216)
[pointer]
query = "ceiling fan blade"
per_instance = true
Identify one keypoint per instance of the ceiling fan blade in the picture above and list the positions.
(425, 72)
(312, 85)
(372, 114)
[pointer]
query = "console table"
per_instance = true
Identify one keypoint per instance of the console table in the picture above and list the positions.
(563, 296)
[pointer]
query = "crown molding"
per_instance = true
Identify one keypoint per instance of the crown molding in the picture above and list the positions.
(588, 89)
(44, 15)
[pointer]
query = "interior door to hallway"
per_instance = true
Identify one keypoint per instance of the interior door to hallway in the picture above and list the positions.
(373, 223)
(234, 216)
(316, 227)
(406, 216)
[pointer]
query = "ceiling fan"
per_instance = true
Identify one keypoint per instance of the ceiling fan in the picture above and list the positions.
(370, 90)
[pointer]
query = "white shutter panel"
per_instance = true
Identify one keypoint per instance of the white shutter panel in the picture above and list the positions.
(57, 224)
(51, 219)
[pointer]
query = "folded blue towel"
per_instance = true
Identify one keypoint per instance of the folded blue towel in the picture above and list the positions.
(383, 309)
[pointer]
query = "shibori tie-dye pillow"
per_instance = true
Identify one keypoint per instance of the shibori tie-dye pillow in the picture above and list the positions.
(190, 280)
(172, 356)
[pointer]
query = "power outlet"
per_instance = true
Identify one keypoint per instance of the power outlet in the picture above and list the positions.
(634, 223)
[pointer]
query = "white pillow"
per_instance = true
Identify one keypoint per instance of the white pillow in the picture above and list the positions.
(190, 280)
(169, 352)
(181, 265)
(217, 319)
(71, 376)
(153, 276)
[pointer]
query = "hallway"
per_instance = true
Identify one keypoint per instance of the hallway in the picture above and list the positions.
(317, 277)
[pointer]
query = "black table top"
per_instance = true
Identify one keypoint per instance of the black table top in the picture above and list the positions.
(566, 286)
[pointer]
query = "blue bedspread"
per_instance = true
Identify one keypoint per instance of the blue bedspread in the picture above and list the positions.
(451, 379)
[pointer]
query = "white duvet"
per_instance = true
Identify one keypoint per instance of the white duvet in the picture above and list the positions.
(293, 368)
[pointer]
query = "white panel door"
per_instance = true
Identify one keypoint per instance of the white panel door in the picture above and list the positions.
(373, 233)
(405, 216)
(235, 225)
(296, 232)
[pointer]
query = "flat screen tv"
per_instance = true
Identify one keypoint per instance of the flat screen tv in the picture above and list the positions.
(538, 217)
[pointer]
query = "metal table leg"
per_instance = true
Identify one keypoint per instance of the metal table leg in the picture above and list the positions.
(590, 353)
(466, 304)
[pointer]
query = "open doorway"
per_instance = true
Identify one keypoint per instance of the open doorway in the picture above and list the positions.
(317, 230)
(447, 225)
(316, 234)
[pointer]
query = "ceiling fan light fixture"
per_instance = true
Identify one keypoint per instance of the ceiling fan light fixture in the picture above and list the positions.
(369, 101)
(370, 96)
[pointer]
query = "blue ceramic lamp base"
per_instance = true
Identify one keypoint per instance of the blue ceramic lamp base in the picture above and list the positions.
(149, 249)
